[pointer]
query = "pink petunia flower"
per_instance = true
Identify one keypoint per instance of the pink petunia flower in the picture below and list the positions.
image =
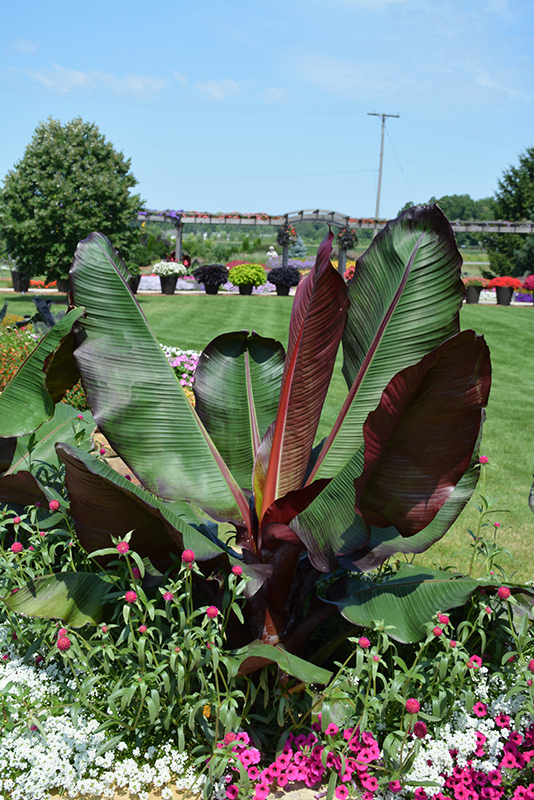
(331, 729)
(502, 720)
(480, 709)
(232, 791)
(341, 792)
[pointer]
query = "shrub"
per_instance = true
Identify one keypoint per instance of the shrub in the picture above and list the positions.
(243, 274)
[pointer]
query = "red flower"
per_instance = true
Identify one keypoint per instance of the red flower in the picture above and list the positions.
(505, 280)
(412, 706)
(63, 643)
(420, 730)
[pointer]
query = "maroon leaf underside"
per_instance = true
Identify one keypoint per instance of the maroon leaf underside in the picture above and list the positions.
(101, 509)
(316, 328)
(62, 371)
(7, 451)
(21, 488)
(439, 400)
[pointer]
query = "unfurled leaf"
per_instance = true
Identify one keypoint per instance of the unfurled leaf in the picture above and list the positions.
(74, 597)
(256, 654)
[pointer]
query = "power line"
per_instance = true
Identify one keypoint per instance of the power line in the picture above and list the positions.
(384, 117)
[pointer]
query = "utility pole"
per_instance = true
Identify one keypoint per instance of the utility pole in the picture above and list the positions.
(384, 117)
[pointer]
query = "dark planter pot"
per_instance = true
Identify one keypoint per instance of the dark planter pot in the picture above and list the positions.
(168, 283)
(245, 288)
(504, 295)
(472, 294)
(133, 283)
(282, 291)
(63, 286)
(211, 288)
(20, 284)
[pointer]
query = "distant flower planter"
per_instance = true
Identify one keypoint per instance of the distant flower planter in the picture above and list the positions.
(211, 288)
(20, 284)
(168, 283)
(504, 295)
(133, 283)
(63, 286)
(282, 291)
(472, 294)
(245, 288)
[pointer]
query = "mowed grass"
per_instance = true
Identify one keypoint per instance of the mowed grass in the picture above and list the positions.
(191, 321)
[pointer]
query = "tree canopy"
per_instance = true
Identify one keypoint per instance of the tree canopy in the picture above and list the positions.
(70, 181)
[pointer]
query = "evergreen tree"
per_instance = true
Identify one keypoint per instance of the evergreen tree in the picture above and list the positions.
(69, 182)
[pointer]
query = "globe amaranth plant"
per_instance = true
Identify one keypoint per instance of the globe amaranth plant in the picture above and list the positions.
(396, 470)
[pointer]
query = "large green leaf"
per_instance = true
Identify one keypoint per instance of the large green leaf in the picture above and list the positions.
(237, 385)
(74, 597)
(27, 401)
(256, 654)
(103, 502)
(135, 397)
(317, 322)
(407, 602)
(405, 299)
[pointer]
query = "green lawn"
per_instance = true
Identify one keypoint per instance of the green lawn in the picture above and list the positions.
(191, 322)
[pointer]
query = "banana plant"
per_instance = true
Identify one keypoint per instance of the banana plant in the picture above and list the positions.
(395, 472)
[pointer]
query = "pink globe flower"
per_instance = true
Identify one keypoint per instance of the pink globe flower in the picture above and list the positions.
(237, 570)
(475, 662)
(376, 658)
(420, 730)
(364, 642)
(452, 643)
(102, 451)
(63, 643)
(412, 706)
(130, 597)
(16, 520)
(123, 547)
(142, 628)
(437, 631)
(212, 611)
(62, 632)
(531, 665)
(53, 505)
(136, 572)
(483, 460)
(167, 596)
(503, 592)
(188, 557)
(444, 619)
(16, 547)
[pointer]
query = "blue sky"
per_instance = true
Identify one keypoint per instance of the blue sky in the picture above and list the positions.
(224, 105)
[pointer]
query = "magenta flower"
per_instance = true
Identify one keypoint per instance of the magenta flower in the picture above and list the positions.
(395, 787)
(104, 629)
(188, 557)
(376, 658)
(142, 628)
(237, 570)
(130, 597)
(483, 460)
(62, 632)
(480, 709)
(53, 505)
(364, 642)
(212, 611)
(444, 619)
(136, 572)
(452, 643)
(437, 631)
(102, 451)
(531, 665)
(420, 730)
(412, 706)
(79, 416)
(16, 520)
(341, 792)
(502, 720)
(123, 547)
(63, 643)
(503, 592)
(475, 662)
(168, 596)
(232, 792)
(262, 790)
(16, 547)
(331, 729)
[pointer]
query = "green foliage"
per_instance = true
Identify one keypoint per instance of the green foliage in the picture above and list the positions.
(463, 207)
(243, 274)
(514, 201)
(69, 182)
(298, 249)
(152, 247)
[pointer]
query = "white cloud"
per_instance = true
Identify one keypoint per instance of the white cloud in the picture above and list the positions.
(487, 82)
(25, 46)
(275, 95)
(60, 79)
(179, 77)
(341, 77)
(218, 90)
